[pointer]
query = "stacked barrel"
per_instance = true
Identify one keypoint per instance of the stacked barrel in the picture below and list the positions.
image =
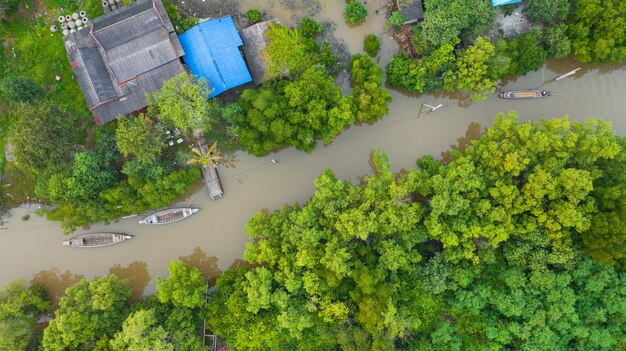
(71, 23)
(111, 5)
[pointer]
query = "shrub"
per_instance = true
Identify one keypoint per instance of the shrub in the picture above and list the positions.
(309, 28)
(371, 45)
(20, 89)
(254, 16)
(10, 6)
(397, 18)
(355, 12)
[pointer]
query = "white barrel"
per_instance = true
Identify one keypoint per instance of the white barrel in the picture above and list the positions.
(68, 18)
(75, 16)
(119, 2)
(78, 22)
(62, 19)
(85, 20)
(54, 29)
(79, 28)
(72, 24)
(65, 25)
(113, 7)
(82, 14)
(105, 4)
(72, 30)
(66, 32)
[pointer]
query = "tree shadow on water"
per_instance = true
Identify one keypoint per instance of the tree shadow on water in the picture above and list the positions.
(205, 263)
(473, 132)
(138, 277)
(54, 282)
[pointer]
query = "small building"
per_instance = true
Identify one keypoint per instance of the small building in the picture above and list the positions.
(121, 56)
(212, 52)
(412, 11)
(254, 42)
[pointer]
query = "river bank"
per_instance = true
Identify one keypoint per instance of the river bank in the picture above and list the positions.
(214, 238)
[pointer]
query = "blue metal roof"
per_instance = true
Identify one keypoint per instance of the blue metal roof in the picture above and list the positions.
(212, 52)
(503, 2)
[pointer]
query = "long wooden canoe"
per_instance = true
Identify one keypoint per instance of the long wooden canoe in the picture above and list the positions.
(524, 94)
(96, 240)
(169, 216)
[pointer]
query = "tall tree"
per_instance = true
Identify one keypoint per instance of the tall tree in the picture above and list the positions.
(473, 74)
(370, 98)
(140, 332)
(43, 135)
(137, 137)
(185, 102)
(89, 314)
(21, 304)
(185, 287)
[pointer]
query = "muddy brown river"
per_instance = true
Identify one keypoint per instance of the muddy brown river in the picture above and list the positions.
(213, 239)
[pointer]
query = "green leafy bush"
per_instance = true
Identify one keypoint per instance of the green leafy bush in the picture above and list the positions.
(556, 41)
(371, 45)
(355, 12)
(20, 89)
(10, 6)
(309, 28)
(254, 16)
(397, 18)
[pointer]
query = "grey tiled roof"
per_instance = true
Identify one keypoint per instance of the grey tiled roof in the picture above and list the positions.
(122, 56)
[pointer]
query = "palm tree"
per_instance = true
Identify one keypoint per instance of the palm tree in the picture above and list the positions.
(210, 157)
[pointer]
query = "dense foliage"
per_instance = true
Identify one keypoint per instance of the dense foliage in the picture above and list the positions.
(371, 45)
(397, 18)
(310, 28)
(136, 137)
(370, 98)
(289, 52)
(546, 11)
(184, 101)
(488, 251)
(21, 305)
(355, 12)
(185, 287)
(96, 315)
(254, 16)
(597, 30)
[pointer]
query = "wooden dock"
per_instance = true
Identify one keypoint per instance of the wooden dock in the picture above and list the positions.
(211, 178)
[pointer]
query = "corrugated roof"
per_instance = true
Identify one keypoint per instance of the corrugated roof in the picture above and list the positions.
(254, 42)
(503, 2)
(122, 56)
(212, 52)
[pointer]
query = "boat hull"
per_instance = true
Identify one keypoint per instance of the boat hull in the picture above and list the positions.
(169, 216)
(524, 94)
(96, 240)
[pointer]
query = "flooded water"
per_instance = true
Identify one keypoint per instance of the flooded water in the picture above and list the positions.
(213, 239)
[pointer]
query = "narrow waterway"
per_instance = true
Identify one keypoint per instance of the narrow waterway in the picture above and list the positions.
(213, 239)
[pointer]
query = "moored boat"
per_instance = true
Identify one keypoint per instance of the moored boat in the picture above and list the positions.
(524, 94)
(169, 216)
(96, 240)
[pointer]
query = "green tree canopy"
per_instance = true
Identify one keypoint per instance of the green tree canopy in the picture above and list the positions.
(140, 332)
(184, 101)
(445, 21)
(89, 313)
(21, 304)
(546, 11)
(138, 138)
(473, 74)
(289, 52)
(185, 287)
(43, 135)
(370, 98)
(293, 113)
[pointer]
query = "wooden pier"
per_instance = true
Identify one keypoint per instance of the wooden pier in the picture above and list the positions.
(211, 178)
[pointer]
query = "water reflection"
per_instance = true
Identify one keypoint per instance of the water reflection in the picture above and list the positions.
(473, 132)
(137, 275)
(205, 263)
(54, 282)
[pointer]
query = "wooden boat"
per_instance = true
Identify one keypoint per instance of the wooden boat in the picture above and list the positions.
(524, 94)
(96, 240)
(169, 216)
